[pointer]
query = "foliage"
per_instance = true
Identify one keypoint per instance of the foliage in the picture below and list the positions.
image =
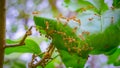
(31, 46)
(73, 49)
(96, 5)
(63, 45)
(94, 40)
(114, 58)
(116, 3)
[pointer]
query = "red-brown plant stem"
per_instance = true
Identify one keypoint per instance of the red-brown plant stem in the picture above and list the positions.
(2, 31)
(45, 59)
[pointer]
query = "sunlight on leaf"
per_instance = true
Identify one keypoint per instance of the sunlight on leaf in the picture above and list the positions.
(30, 47)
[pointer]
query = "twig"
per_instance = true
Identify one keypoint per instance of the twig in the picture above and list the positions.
(30, 65)
(22, 42)
(53, 58)
(46, 57)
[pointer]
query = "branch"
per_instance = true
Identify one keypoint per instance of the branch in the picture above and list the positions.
(53, 58)
(30, 65)
(22, 42)
(45, 59)
(2, 30)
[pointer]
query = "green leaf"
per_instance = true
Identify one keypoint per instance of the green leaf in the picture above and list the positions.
(100, 43)
(18, 64)
(67, 32)
(29, 47)
(79, 5)
(67, 1)
(114, 58)
(50, 65)
(100, 5)
(38, 40)
(111, 51)
(55, 60)
(116, 3)
(61, 44)
(105, 41)
(72, 60)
